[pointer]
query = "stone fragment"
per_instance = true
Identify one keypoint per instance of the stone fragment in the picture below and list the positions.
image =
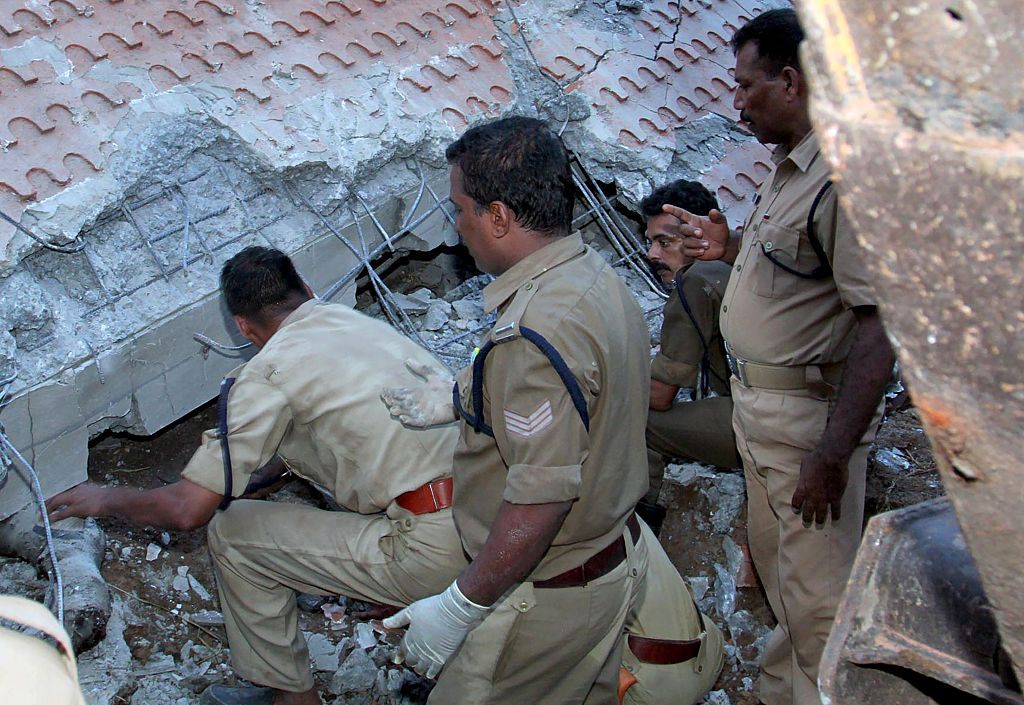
(718, 697)
(152, 552)
(892, 458)
(323, 653)
(365, 636)
(725, 591)
(437, 316)
(208, 618)
(201, 591)
(180, 582)
(699, 585)
(468, 309)
(358, 673)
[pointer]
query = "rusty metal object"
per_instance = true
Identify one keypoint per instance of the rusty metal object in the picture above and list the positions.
(915, 627)
(920, 112)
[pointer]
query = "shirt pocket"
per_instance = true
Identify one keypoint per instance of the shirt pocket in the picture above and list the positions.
(782, 244)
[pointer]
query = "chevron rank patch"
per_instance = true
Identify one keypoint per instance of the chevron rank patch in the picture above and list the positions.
(528, 426)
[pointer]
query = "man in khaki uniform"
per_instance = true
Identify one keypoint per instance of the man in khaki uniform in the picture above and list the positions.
(545, 479)
(309, 396)
(810, 361)
(692, 352)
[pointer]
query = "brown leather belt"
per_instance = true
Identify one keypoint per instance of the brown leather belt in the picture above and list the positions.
(661, 652)
(597, 565)
(432, 497)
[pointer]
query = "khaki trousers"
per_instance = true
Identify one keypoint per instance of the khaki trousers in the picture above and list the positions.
(665, 610)
(264, 552)
(548, 646)
(804, 569)
(698, 431)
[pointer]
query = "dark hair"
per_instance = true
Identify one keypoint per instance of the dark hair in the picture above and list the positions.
(261, 283)
(690, 195)
(777, 35)
(522, 163)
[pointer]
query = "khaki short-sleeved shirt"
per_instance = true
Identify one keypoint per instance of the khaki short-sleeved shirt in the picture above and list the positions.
(541, 451)
(312, 396)
(774, 317)
(678, 360)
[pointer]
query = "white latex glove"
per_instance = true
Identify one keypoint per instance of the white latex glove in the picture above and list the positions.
(437, 627)
(428, 404)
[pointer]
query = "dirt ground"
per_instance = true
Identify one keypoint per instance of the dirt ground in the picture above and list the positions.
(171, 633)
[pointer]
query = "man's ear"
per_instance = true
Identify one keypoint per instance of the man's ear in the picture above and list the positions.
(796, 85)
(244, 327)
(501, 218)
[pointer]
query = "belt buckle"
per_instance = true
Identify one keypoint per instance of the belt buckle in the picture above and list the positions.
(433, 496)
(738, 368)
(741, 369)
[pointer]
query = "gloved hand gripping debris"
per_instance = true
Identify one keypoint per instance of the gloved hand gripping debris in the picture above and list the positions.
(437, 627)
(429, 404)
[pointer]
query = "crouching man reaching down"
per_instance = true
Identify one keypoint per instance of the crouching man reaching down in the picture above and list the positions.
(550, 461)
(309, 396)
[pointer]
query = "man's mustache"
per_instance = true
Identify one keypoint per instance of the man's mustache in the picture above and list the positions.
(657, 267)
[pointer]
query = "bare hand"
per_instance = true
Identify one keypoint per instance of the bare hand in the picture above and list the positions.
(704, 237)
(428, 404)
(84, 500)
(821, 486)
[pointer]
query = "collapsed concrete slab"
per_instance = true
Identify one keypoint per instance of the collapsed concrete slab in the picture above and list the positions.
(146, 142)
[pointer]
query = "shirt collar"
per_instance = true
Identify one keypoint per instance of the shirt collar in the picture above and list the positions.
(802, 155)
(561, 249)
(301, 312)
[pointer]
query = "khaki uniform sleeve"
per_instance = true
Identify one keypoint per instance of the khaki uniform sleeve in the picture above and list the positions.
(847, 257)
(537, 429)
(258, 418)
(678, 360)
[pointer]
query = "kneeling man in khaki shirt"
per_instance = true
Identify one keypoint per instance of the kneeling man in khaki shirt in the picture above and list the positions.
(309, 396)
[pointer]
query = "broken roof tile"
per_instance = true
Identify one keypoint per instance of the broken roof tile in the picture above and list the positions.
(441, 58)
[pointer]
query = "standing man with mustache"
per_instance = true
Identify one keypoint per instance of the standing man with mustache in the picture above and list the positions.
(692, 353)
(809, 360)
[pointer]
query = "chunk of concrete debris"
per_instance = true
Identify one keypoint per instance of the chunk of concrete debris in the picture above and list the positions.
(718, 697)
(416, 303)
(365, 636)
(725, 591)
(201, 591)
(208, 618)
(357, 674)
(699, 585)
(158, 663)
(437, 316)
(892, 458)
(152, 552)
(749, 636)
(323, 653)
(180, 582)
(468, 309)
